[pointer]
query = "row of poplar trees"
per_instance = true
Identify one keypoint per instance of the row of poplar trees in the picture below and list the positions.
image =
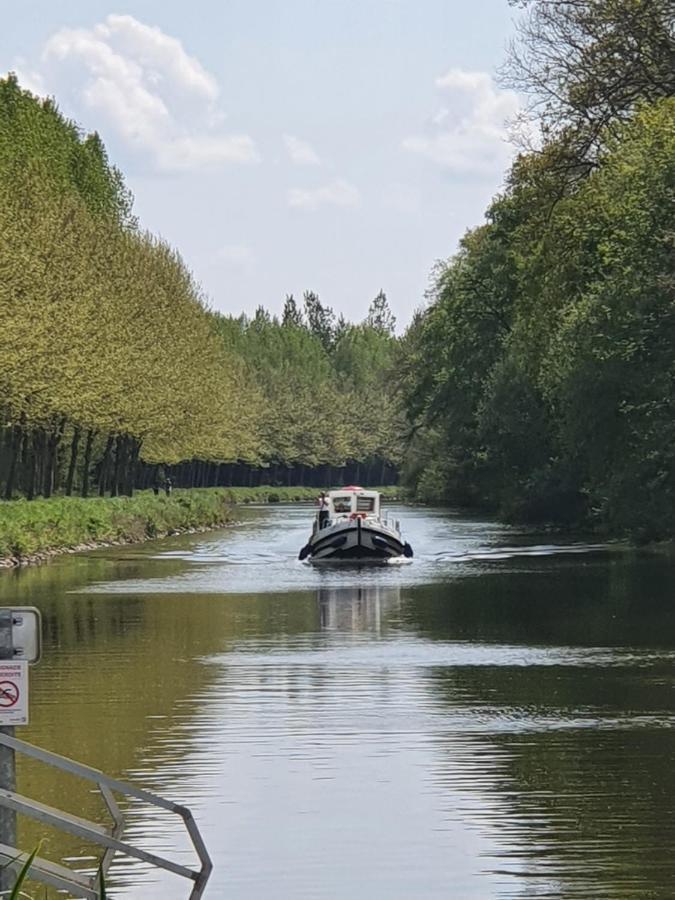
(114, 373)
(540, 379)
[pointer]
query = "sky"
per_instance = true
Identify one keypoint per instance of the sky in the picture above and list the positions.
(339, 146)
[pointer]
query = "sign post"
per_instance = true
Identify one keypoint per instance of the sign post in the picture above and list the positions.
(20, 644)
(7, 760)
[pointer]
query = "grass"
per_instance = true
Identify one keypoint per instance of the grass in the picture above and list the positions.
(271, 494)
(35, 527)
(32, 527)
(24, 873)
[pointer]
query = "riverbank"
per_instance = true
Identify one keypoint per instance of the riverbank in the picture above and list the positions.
(31, 531)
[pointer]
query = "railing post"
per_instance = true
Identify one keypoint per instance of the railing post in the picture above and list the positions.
(7, 759)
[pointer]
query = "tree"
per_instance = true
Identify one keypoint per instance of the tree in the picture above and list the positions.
(587, 64)
(292, 315)
(380, 317)
(541, 378)
(320, 319)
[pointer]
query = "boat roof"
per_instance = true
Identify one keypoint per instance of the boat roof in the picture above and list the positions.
(353, 489)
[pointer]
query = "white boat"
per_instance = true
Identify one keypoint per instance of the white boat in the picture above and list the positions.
(352, 528)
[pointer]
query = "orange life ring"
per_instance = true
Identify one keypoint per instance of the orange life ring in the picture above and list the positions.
(358, 515)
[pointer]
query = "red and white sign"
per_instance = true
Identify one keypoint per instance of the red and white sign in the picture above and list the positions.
(13, 692)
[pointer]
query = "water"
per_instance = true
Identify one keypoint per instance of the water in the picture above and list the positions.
(494, 721)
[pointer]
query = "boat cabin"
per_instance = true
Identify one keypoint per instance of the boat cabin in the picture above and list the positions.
(352, 501)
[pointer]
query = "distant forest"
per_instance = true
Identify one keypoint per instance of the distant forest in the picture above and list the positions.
(537, 382)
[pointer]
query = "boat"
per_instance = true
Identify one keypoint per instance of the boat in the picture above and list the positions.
(353, 528)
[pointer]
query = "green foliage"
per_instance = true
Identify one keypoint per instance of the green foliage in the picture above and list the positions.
(586, 65)
(22, 875)
(105, 328)
(380, 317)
(28, 528)
(550, 339)
(320, 319)
(268, 494)
(322, 405)
(112, 363)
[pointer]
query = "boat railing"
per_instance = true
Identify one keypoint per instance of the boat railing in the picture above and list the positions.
(391, 523)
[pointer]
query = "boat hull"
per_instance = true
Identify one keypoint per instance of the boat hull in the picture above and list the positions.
(356, 542)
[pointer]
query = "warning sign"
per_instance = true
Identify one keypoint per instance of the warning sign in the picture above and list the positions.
(13, 692)
(9, 693)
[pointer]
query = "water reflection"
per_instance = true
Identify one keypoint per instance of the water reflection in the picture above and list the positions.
(357, 608)
(504, 729)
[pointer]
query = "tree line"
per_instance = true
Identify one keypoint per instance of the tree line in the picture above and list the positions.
(329, 410)
(114, 372)
(540, 378)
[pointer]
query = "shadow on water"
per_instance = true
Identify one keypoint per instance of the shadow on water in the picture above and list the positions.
(500, 726)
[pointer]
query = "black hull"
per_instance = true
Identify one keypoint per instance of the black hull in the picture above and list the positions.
(354, 554)
(354, 544)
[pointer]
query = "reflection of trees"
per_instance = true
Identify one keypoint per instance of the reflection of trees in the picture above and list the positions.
(578, 757)
(582, 803)
(586, 601)
(356, 608)
(123, 678)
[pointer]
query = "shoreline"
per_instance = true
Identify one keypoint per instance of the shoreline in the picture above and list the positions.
(36, 531)
(42, 556)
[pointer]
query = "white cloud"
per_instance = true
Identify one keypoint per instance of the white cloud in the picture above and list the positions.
(161, 56)
(300, 152)
(142, 84)
(236, 256)
(197, 151)
(28, 78)
(336, 193)
(468, 133)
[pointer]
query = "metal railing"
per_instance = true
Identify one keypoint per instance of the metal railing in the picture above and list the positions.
(108, 837)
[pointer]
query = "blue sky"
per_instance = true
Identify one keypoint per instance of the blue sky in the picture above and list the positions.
(340, 146)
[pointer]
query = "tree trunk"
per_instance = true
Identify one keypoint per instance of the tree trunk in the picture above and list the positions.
(134, 449)
(87, 462)
(33, 466)
(14, 450)
(105, 466)
(74, 446)
(118, 466)
(52, 446)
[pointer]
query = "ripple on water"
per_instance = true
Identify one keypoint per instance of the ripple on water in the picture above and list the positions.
(496, 721)
(262, 554)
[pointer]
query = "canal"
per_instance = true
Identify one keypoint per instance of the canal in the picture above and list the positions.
(495, 720)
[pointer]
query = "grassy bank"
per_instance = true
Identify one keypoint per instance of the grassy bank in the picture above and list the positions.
(269, 494)
(30, 528)
(36, 528)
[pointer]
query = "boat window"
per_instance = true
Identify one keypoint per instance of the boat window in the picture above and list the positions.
(342, 504)
(365, 504)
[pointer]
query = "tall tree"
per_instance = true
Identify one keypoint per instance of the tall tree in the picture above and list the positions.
(380, 317)
(320, 319)
(292, 315)
(586, 64)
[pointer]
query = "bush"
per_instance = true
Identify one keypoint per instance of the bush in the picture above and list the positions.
(29, 527)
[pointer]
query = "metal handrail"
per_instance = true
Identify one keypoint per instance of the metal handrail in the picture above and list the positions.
(109, 838)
